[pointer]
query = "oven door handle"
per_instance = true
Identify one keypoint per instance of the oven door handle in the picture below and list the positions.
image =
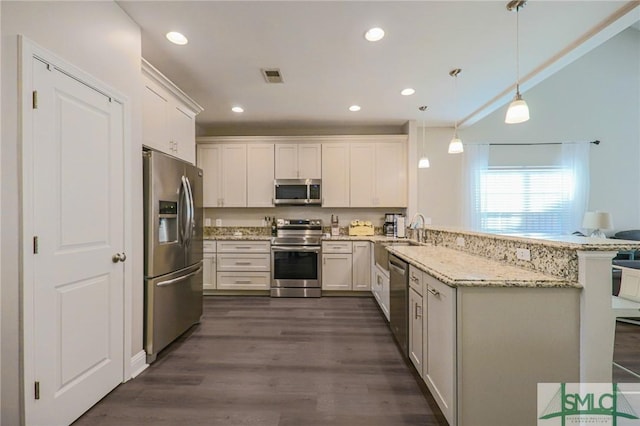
(315, 249)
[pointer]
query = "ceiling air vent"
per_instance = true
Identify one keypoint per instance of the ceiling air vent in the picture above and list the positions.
(272, 75)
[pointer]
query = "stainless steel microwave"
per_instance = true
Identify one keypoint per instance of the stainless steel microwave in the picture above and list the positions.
(297, 192)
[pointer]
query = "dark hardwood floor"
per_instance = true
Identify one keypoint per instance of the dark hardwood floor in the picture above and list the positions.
(276, 362)
(627, 353)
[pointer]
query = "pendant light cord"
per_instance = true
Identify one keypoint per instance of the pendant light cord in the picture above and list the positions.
(518, 49)
(455, 104)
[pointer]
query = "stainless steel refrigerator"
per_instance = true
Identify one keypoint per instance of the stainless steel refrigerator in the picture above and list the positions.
(173, 249)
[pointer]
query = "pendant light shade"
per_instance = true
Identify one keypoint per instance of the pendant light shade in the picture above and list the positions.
(455, 146)
(423, 163)
(518, 111)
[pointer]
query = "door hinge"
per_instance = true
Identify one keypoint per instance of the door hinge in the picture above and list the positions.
(34, 99)
(35, 245)
(36, 390)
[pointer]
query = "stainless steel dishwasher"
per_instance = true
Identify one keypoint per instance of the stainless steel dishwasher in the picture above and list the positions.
(398, 305)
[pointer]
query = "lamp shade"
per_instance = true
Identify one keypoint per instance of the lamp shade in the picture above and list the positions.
(597, 220)
(455, 146)
(423, 163)
(518, 111)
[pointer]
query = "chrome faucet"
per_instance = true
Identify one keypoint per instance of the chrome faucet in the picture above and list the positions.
(414, 225)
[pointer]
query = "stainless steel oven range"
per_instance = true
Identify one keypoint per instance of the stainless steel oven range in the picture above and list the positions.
(295, 258)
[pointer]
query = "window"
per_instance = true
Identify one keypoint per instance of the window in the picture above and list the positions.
(525, 200)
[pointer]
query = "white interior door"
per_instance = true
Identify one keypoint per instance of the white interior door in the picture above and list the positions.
(78, 218)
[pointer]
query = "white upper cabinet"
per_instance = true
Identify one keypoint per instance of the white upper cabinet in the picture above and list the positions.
(225, 174)
(168, 116)
(378, 174)
(298, 161)
(260, 174)
(335, 174)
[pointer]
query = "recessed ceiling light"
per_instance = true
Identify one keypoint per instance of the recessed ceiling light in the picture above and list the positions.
(374, 34)
(354, 108)
(408, 91)
(177, 38)
(237, 109)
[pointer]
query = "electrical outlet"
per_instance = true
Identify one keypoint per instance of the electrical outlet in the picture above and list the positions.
(523, 254)
(460, 242)
(427, 221)
(218, 222)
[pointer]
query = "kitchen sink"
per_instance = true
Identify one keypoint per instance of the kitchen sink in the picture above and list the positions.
(381, 254)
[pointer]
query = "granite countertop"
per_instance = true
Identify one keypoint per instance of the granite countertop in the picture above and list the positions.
(243, 237)
(459, 269)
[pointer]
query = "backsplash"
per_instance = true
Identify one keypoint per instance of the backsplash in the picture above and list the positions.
(264, 231)
(548, 259)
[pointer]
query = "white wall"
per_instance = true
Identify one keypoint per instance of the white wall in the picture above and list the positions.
(595, 97)
(439, 186)
(99, 38)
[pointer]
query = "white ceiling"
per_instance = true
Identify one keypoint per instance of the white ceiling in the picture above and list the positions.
(327, 64)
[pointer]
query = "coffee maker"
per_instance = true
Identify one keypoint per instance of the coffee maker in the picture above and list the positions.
(389, 224)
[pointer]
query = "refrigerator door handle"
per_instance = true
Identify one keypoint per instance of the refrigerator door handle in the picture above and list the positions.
(191, 217)
(182, 278)
(184, 220)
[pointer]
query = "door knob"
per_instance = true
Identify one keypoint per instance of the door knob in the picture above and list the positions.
(119, 257)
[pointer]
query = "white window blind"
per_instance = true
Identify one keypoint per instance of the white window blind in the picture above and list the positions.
(525, 201)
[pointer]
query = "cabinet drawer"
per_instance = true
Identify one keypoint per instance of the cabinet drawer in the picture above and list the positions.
(256, 262)
(415, 279)
(243, 280)
(244, 246)
(209, 246)
(336, 247)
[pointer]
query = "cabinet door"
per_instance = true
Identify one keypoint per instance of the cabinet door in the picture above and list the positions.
(209, 271)
(380, 289)
(209, 160)
(155, 132)
(260, 175)
(183, 132)
(362, 175)
(439, 369)
(415, 329)
(390, 174)
(309, 161)
(336, 271)
(361, 266)
(335, 175)
(286, 161)
(234, 175)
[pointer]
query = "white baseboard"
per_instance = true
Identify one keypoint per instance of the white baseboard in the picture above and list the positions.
(138, 363)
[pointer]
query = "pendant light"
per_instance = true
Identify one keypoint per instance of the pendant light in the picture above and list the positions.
(518, 111)
(423, 163)
(455, 146)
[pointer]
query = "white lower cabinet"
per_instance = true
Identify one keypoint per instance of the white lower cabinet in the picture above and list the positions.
(380, 289)
(336, 271)
(243, 265)
(337, 265)
(209, 269)
(361, 266)
(415, 315)
(439, 344)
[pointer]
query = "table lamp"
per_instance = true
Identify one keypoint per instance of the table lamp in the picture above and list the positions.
(597, 221)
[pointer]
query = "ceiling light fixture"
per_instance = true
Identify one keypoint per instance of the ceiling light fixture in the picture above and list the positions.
(455, 146)
(408, 91)
(423, 163)
(518, 111)
(374, 34)
(354, 108)
(177, 38)
(237, 109)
